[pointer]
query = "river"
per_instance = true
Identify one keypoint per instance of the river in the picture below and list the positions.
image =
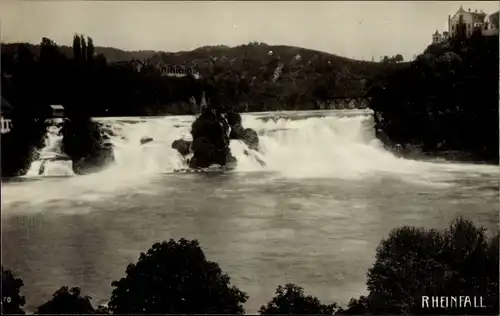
(312, 216)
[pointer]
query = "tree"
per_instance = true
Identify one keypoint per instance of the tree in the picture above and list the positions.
(175, 277)
(398, 58)
(49, 52)
(90, 49)
(67, 301)
(291, 299)
(415, 262)
(359, 306)
(77, 47)
(84, 48)
(12, 301)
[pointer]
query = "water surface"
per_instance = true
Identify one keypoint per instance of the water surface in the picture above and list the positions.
(313, 216)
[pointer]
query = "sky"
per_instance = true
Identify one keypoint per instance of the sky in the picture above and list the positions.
(354, 29)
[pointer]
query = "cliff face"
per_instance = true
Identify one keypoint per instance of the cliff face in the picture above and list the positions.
(447, 100)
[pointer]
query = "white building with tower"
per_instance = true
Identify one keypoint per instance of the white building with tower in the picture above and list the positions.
(472, 20)
(5, 121)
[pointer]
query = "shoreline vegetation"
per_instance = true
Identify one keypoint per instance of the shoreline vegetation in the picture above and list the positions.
(411, 264)
(442, 104)
(445, 102)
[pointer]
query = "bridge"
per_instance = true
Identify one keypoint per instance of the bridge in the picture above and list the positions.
(343, 102)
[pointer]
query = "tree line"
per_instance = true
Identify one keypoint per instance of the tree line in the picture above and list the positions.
(393, 59)
(78, 77)
(175, 277)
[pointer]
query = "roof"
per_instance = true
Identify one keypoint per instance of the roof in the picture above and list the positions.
(494, 19)
(437, 33)
(57, 107)
(476, 16)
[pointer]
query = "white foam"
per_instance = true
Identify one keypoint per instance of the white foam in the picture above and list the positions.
(52, 149)
(334, 146)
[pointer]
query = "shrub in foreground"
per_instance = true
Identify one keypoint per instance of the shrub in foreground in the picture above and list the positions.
(290, 299)
(67, 301)
(175, 277)
(12, 301)
(414, 262)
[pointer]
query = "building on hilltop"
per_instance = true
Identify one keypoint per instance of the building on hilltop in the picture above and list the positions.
(490, 24)
(472, 20)
(440, 37)
(57, 110)
(180, 71)
(167, 70)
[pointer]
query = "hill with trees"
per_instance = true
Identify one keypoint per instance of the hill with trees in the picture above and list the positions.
(252, 77)
(446, 102)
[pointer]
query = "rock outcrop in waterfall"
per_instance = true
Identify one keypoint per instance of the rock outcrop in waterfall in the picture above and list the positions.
(87, 145)
(211, 132)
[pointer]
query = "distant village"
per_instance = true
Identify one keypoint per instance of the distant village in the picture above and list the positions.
(473, 20)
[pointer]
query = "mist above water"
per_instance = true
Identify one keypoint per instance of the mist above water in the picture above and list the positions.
(328, 144)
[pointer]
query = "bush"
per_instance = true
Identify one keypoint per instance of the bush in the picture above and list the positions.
(290, 299)
(67, 301)
(414, 262)
(358, 306)
(19, 147)
(12, 301)
(175, 277)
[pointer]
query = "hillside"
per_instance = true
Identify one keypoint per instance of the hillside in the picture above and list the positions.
(255, 77)
(111, 54)
(446, 103)
(303, 70)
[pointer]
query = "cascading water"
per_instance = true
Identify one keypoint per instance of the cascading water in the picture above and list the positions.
(336, 145)
(340, 144)
(327, 183)
(49, 162)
